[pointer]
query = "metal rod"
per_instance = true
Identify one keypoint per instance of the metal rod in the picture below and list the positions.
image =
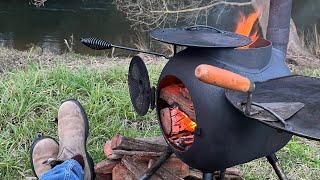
(248, 105)
(141, 51)
(207, 176)
(153, 169)
(273, 160)
(175, 50)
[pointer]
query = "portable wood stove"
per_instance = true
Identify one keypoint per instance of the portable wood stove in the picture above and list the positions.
(208, 127)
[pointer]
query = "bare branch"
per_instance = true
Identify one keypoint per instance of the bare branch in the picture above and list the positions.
(150, 14)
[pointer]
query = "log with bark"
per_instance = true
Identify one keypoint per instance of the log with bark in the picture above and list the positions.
(131, 157)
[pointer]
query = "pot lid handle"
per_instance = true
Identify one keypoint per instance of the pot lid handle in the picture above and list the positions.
(200, 27)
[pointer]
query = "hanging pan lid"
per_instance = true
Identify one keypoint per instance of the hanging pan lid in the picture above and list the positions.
(141, 93)
(200, 36)
(305, 90)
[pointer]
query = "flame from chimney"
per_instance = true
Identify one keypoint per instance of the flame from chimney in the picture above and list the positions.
(246, 26)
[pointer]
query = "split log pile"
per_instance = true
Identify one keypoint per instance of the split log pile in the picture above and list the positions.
(129, 158)
(178, 120)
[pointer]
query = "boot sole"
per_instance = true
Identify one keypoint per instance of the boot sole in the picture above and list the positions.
(36, 140)
(86, 121)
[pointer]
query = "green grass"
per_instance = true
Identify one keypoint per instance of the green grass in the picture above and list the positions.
(29, 100)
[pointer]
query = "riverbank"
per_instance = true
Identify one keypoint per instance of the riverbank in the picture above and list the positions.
(33, 84)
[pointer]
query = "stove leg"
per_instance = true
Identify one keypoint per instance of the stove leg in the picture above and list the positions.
(207, 176)
(273, 160)
(222, 175)
(153, 169)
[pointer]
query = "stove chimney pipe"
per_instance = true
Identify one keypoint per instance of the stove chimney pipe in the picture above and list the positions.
(279, 24)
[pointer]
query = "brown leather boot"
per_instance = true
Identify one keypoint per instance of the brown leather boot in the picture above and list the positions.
(73, 131)
(42, 150)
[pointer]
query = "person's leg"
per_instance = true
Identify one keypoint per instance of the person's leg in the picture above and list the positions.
(73, 131)
(71, 154)
(68, 170)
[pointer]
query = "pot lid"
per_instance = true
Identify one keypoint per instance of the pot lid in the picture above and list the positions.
(200, 36)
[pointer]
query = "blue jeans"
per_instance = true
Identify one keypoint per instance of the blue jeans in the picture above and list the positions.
(68, 170)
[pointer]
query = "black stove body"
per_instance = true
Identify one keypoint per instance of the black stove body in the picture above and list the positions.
(224, 137)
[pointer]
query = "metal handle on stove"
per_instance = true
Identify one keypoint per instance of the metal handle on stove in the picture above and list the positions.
(223, 78)
(199, 27)
(226, 79)
(100, 44)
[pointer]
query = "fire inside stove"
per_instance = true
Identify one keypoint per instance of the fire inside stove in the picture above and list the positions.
(177, 115)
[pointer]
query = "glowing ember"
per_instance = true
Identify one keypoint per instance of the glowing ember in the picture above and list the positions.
(178, 116)
(182, 121)
(246, 26)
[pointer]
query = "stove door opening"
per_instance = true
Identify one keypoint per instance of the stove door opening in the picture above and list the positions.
(176, 113)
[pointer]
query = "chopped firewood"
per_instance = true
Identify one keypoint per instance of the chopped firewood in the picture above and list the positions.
(234, 171)
(151, 162)
(154, 140)
(195, 174)
(105, 167)
(175, 166)
(136, 168)
(120, 172)
(100, 176)
(108, 152)
(107, 149)
(119, 142)
(176, 94)
(138, 153)
(131, 163)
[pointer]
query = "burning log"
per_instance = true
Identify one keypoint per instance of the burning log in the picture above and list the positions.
(175, 121)
(177, 94)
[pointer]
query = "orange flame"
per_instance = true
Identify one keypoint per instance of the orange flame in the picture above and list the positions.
(182, 121)
(245, 25)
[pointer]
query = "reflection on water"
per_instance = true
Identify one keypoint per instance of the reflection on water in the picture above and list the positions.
(23, 25)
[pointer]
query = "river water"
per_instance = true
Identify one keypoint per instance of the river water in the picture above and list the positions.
(22, 25)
